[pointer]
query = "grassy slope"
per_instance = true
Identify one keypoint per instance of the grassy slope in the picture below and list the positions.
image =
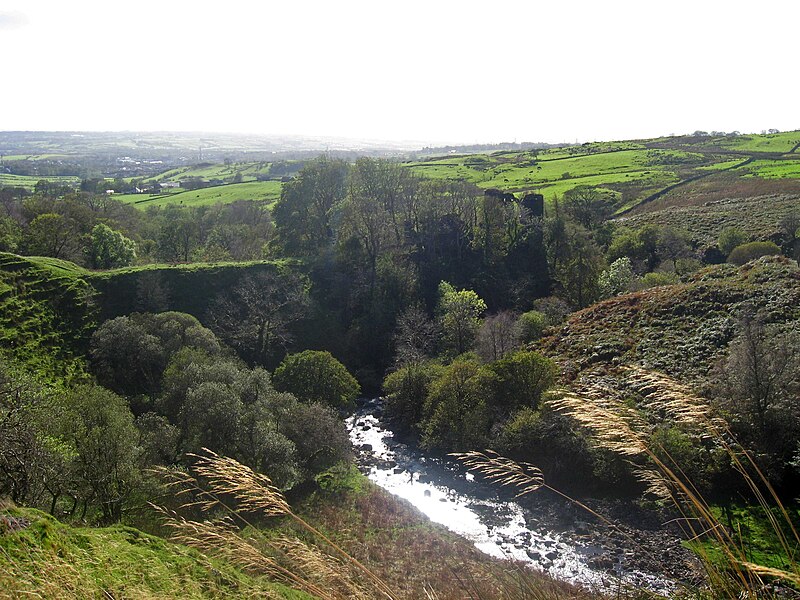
(633, 171)
(52, 560)
(50, 307)
(55, 560)
(46, 313)
(262, 191)
(758, 216)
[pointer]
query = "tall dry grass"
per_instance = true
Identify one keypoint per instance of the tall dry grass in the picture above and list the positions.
(620, 429)
(221, 485)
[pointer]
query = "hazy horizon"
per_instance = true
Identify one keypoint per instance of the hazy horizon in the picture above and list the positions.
(422, 73)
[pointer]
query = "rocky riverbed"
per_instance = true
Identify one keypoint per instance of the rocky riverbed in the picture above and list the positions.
(630, 547)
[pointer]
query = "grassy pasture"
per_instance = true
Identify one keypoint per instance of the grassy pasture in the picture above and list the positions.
(268, 191)
(249, 171)
(775, 169)
(753, 143)
(777, 142)
(29, 181)
(15, 157)
(554, 173)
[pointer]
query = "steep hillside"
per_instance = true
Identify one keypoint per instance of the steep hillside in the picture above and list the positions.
(680, 330)
(47, 313)
(184, 288)
(757, 216)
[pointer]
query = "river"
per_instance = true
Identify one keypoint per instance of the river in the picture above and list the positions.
(447, 494)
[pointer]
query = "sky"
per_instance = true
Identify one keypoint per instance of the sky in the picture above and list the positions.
(435, 71)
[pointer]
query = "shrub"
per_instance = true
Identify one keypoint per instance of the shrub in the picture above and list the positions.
(521, 379)
(655, 279)
(617, 279)
(531, 325)
(730, 238)
(750, 251)
(406, 390)
(457, 416)
(316, 376)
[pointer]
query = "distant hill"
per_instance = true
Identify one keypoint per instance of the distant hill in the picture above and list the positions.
(674, 171)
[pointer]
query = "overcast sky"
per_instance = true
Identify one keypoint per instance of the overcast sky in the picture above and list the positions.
(432, 71)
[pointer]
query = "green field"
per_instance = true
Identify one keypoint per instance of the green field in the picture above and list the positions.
(777, 142)
(15, 157)
(554, 172)
(263, 191)
(248, 171)
(632, 171)
(29, 181)
(780, 143)
(775, 169)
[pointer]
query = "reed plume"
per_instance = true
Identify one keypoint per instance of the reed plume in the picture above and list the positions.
(222, 483)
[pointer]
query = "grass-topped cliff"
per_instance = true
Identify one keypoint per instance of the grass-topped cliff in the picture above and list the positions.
(50, 307)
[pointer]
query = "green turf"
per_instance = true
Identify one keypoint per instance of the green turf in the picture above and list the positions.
(29, 181)
(49, 559)
(268, 191)
(775, 169)
(249, 171)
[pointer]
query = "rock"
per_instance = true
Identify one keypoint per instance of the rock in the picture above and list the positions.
(398, 470)
(366, 447)
(602, 562)
(427, 493)
(533, 555)
(552, 555)
(582, 528)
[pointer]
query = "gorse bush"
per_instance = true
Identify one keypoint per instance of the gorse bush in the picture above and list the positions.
(752, 250)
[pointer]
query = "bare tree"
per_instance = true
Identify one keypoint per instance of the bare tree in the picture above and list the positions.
(499, 334)
(762, 371)
(758, 384)
(255, 317)
(414, 337)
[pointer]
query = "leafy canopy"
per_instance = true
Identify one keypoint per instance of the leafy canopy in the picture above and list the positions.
(316, 376)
